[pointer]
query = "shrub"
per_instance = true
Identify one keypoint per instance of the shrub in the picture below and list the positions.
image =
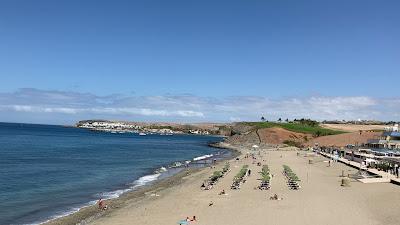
(292, 143)
(241, 173)
(290, 174)
(226, 167)
(216, 175)
(265, 174)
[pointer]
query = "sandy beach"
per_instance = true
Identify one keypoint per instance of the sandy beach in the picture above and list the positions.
(199, 112)
(321, 200)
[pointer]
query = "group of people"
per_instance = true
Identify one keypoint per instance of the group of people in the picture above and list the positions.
(275, 197)
(206, 185)
(187, 220)
(394, 170)
(191, 220)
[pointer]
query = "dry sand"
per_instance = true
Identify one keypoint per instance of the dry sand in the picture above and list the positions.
(341, 140)
(353, 127)
(320, 201)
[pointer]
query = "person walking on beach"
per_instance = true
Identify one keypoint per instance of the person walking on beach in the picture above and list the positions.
(100, 203)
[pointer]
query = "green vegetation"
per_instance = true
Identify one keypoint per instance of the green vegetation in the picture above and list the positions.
(292, 143)
(226, 167)
(241, 173)
(306, 127)
(382, 166)
(289, 173)
(265, 175)
(216, 175)
(376, 130)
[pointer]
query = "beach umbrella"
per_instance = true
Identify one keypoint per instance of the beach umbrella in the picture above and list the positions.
(255, 147)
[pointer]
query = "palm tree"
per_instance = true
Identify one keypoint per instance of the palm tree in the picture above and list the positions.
(262, 118)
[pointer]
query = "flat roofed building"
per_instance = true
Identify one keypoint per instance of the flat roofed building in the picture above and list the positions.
(390, 139)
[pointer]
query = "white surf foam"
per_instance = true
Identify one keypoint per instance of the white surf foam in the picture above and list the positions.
(107, 195)
(161, 170)
(203, 157)
(113, 194)
(63, 214)
(145, 179)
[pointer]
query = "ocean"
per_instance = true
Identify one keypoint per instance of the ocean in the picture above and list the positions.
(49, 171)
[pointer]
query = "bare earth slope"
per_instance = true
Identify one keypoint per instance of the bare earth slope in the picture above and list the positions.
(341, 140)
(278, 135)
(275, 135)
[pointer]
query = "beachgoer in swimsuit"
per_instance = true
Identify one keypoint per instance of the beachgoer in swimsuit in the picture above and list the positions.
(100, 203)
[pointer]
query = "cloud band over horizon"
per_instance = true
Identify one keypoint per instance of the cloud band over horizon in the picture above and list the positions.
(63, 107)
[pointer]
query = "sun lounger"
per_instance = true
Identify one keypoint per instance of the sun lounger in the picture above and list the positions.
(292, 179)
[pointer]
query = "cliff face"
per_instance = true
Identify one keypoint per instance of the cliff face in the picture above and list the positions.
(240, 128)
(244, 139)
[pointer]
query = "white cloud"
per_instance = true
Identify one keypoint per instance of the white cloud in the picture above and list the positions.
(38, 109)
(22, 108)
(234, 119)
(115, 111)
(195, 108)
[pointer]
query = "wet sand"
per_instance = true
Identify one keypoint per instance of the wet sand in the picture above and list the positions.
(138, 196)
(321, 200)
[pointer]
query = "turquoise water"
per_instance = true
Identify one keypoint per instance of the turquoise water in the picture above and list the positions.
(50, 171)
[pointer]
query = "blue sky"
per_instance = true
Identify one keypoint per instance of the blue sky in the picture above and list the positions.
(204, 58)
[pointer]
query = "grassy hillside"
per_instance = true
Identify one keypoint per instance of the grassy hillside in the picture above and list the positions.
(315, 130)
